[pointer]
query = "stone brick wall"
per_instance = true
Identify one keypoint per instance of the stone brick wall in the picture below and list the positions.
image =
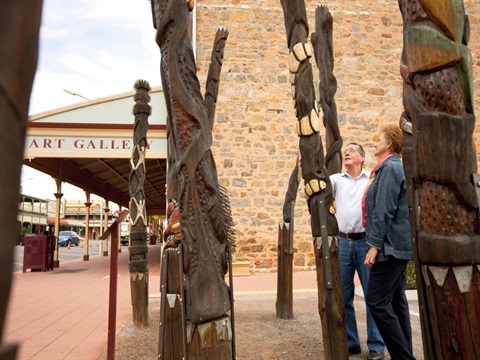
(255, 143)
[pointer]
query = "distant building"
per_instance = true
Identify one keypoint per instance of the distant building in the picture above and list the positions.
(75, 212)
(37, 215)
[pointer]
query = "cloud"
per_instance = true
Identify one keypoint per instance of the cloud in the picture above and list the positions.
(95, 48)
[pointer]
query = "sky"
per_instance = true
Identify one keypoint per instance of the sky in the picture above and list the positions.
(93, 48)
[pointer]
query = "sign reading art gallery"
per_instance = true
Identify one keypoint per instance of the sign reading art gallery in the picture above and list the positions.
(101, 128)
(86, 147)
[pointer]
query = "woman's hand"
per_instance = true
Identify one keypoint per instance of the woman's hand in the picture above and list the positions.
(371, 257)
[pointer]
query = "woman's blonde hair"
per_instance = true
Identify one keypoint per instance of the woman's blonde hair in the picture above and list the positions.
(394, 134)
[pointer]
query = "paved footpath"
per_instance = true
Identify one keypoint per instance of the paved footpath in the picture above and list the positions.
(63, 313)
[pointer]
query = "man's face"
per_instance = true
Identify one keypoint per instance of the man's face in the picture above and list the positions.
(351, 156)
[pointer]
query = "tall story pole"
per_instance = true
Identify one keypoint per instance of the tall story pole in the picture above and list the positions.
(318, 188)
(138, 265)
(440, 164)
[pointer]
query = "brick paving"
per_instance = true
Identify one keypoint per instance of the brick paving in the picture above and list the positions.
(63, 313)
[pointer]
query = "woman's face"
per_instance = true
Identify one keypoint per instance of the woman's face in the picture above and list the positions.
(383, 146)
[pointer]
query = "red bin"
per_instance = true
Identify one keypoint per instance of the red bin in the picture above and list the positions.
(153, 239)
(38, 252)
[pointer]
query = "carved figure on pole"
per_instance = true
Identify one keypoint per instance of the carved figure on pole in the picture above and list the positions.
(440, 166)
(173, 234)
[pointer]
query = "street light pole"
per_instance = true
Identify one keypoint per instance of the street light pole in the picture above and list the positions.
(75, 94)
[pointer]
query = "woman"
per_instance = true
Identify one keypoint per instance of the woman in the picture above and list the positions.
(388, 235)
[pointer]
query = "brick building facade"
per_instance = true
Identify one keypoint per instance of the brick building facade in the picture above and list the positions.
(255, 143)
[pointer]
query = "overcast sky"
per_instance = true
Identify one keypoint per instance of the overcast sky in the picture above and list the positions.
(94, 48)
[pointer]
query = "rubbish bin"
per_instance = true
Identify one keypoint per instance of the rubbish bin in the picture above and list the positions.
(153, 239)
(38, 252)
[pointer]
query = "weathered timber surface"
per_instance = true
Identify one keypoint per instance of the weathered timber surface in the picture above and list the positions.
(139, 295)
(331, 307)
(284, 304)
(171, 322)
(291, 193)
(315, 175)
(457, 312)
(193, 179)
(214, 70)
(19, 30)
(323, 49)
(138, 250)
(211, 340)
(439, 161)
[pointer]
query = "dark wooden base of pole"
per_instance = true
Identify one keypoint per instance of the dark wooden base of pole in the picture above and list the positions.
(211, 340)
(8, 352)
(105, 253)
(86, 257)
(139, 290)
(451, 333)
(284, 304)
(330, 302)
(171, 335)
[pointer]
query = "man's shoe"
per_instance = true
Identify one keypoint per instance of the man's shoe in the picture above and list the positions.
(375, 355)
(354, 350)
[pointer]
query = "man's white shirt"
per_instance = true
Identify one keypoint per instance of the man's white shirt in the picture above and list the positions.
(348, 193)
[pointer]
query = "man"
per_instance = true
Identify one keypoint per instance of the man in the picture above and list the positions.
(348, 189)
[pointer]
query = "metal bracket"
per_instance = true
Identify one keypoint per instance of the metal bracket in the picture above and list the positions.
(232, 312)
(182, 295)
(163, 301)
(327, 271)
(476, 183)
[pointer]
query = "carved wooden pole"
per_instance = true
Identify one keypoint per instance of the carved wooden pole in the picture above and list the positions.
(138, 249)
(439, 161)
(171, 341)
(192, 181)
(323, 49)
(284, 303)
(317, 183)
(19, 29)
(214, 70)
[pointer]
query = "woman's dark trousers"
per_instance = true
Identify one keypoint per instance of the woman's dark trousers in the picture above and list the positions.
(388, 304)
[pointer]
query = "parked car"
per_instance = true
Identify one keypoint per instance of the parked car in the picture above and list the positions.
(65, 237)
(124, 233)
(21, 239)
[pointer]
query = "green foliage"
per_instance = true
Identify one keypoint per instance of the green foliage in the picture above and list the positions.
(411, 278)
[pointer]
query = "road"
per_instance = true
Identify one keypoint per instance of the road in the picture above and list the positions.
(64, 254)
